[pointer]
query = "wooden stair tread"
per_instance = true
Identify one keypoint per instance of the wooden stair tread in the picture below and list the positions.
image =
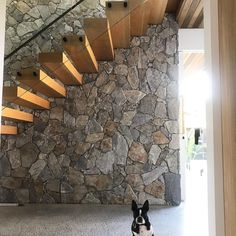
(99, 35)
(24, 98)
(139, 16)
(8, 130)
(16, 115)
(60, 65)
(157, 13)
(41, 82)
(81, 53)
(119, 19)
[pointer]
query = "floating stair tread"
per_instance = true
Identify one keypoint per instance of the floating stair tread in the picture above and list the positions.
(8, 130)
(81, 53)
(139, 16)
(61, 66)
(99, 35)
(119, 19)
(24, 98)
(41, 82)
(157, 13)
(16, 115)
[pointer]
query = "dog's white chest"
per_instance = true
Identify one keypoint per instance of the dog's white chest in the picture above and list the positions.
(144, 232)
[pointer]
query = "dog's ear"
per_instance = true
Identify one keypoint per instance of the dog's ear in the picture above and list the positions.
(146, 206)
(134, 206)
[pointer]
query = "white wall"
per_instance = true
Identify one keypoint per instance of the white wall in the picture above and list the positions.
(2, 40)
(190, 40)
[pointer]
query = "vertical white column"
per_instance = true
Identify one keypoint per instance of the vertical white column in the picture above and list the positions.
(214, 132)
(2, 44)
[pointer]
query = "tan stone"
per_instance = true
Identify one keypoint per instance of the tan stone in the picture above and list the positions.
(157, 189)
(138, 153)
(160, 138)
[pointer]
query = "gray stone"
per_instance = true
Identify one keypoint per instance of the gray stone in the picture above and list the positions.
(14, 158)
(117, 112)
(140, 119)
(36, 169)
(109, 87)
(128, 117)
(153, 79)
(121, 70)
(171, 46)
(105, 162)
(154, 154)
(23, 7)
(57, 113)
(22, 195)
(172, 160)
(34, 12)
(133, 77)
(53, 185)
(54, 165)
(10, 182)
(93, 138)
(150, 177)
(148, 104)
(29, 154)
(25, 28)
(152, 200)
(91, 199)
(75, 177)
(66, 188)
(172, 126)
(106, 144)
(160, 110)
(173, 190)
(119, 97)
(93, 127)
(134, 96)
(82, 148)
(174, 143)
(44, 11)
(130, 195)
(120, 148)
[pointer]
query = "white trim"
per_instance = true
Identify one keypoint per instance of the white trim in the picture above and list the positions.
(214, 134)
(2, 46)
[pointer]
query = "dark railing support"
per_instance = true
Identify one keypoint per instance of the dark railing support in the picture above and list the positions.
(42, 30)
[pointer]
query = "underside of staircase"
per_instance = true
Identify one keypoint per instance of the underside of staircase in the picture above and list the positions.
(81, 54)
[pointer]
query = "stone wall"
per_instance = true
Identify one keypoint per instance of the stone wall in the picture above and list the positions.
(111, 140)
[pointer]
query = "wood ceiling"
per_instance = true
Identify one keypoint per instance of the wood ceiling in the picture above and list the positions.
(189, 13)
(194, 62)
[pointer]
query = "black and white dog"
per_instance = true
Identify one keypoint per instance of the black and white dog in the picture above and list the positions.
(141, 225)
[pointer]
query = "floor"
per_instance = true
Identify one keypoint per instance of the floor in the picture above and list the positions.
(189, 219)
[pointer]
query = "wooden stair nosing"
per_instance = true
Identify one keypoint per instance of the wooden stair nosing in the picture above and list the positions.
(99, 35)
(16, 115)
(158, 9)
(61, 66)
(139, 16)
(41, 82)
(8, 130)
(79, 50)
(24, 98)
(119, 18)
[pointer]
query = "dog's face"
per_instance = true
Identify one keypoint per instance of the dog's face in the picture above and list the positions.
(140, 214)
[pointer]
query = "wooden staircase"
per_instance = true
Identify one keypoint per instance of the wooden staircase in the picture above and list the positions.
(81, 55)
